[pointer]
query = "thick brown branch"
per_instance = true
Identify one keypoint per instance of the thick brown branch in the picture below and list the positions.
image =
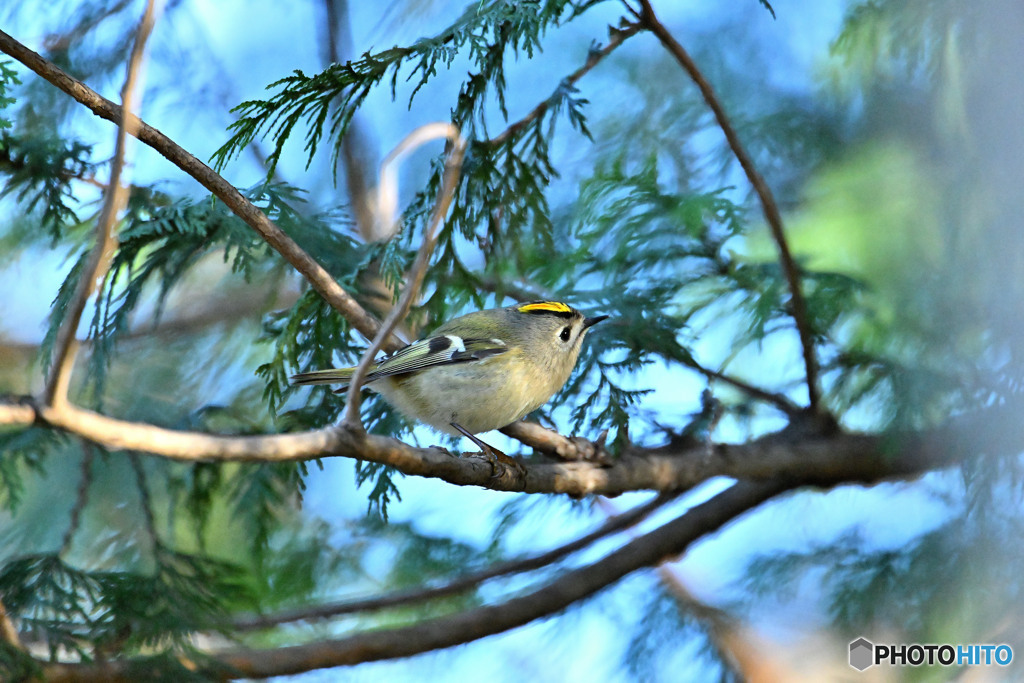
(463, 583)
(808, 456)
(654, 547)
(771, 210)
(319, 278)
(95, 268)
(827, 468)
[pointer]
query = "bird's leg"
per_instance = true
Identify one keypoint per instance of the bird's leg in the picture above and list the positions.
(498, 460)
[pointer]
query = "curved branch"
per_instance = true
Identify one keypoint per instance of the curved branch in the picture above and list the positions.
(314, 273)
(550, 442)
(449, 181)
(771, 210)
(115, 197)
(613, 525)
(656, 546)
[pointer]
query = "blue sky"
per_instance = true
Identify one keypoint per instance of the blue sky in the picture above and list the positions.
(255, 43)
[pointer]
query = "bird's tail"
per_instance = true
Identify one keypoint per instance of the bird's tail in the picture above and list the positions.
(332, 376)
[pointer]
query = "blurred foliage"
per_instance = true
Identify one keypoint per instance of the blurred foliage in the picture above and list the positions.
(663, 619)
(936, 589)
(902, 206)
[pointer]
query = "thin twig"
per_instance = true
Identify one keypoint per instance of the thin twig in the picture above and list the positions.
(771, 210)
(516, 292)
(778, 400)
(62, 42)
(314, 273)
(226, 308)
(404, 598)
(618, 37)
(84, 482)
(145, 501)
(449, 182)
(95, 269)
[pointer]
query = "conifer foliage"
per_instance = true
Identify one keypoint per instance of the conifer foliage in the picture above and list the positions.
(152, 473)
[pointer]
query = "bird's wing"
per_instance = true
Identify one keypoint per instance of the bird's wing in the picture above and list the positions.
(442, 349)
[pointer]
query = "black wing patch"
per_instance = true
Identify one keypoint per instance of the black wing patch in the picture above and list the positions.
(436, 351)
(439, 344)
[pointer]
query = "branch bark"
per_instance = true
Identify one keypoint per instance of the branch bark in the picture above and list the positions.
(650, 21)
(463, 583)
(797, 453)
(656, 546)
(314, 273)
(812, 462)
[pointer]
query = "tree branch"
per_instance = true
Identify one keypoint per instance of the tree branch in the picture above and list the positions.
(355, 153)
(463, 583)
(115, 197)
(81, 498)
(828, 468)
(229, 308)
(790, 270)
(314, 273)
(618, 37)
(449, 182)
(666, 541)
(573, 448)
(778, 400)
(736, 651)
(809, 456)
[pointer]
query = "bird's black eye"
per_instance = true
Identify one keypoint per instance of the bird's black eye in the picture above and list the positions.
(566, 334)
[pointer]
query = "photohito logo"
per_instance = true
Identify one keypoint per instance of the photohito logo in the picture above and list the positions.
(864, 653)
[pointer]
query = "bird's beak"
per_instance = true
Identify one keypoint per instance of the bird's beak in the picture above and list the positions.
(590, 322)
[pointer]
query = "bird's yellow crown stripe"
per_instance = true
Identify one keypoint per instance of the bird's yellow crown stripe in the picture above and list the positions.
(545, 306)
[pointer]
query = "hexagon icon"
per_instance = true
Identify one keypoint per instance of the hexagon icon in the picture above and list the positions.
(861, 654)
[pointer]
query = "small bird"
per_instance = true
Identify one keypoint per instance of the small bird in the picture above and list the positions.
(478, 372)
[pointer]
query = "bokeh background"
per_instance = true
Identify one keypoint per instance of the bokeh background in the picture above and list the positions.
(889, 131)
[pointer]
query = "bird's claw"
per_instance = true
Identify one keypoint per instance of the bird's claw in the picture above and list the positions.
(501, 463)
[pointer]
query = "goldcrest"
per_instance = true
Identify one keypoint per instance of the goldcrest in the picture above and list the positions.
(480, 371)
